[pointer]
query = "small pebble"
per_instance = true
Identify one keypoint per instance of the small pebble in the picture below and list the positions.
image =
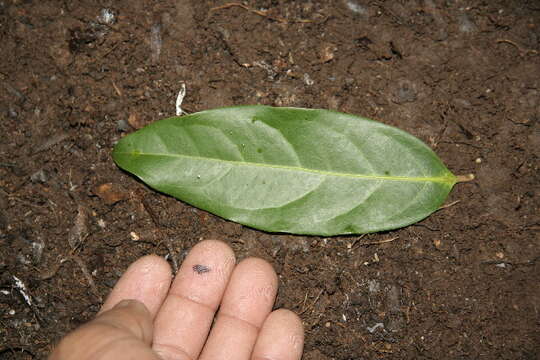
(37, 251)
(355, 7)
(307, 80)
(122, 125)
(39, 177)
(107, 16)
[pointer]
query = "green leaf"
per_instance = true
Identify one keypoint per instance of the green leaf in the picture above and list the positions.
(290, 170)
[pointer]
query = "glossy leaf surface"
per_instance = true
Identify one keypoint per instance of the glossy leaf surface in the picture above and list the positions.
(290, 170)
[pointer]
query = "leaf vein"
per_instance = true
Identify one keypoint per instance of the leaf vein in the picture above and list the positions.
(449, 179)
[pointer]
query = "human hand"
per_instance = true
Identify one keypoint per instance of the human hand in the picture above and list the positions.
(147, 318)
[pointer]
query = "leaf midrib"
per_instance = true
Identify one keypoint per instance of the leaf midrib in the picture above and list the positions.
(448, 180)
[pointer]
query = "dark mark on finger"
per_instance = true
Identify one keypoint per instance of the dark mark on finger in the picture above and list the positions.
(201, 269)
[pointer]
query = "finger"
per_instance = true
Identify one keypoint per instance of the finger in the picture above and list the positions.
(146, 280)
(246, 303)
(281, 337)
(123, 332)
(183, 322)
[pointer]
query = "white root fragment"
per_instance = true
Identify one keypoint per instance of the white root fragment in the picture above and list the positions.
(19, 285)
(180, 99)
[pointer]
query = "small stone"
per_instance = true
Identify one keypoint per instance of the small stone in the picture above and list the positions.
(307, 80)
(107, 16)
(122, 125)
(37, 251)
(12, 113)
(373, 286)
(39, 177)
(356, 7)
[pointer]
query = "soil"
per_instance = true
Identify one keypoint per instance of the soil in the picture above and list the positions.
(463, 76)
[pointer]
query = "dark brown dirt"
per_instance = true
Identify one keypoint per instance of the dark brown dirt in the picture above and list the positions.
(464, 76)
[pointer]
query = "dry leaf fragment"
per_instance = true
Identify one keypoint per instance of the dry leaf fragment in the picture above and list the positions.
(79, 231)
(327, 53)
(135, 121)
(111, 193)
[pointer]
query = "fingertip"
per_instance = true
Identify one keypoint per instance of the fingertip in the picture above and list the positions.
(284, 317)
(216, 247)
(253, 266)
(147, 280)
(205, 272)
(281, 337)
(251, 292)
(154, 261)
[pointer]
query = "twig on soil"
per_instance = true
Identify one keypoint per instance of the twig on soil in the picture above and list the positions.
(263, 13)
(522, 51)
(352, 245)
(448, 205)
(87, 275)
(313, 303)
(166, 239)
(379, 242)
(117, 89)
